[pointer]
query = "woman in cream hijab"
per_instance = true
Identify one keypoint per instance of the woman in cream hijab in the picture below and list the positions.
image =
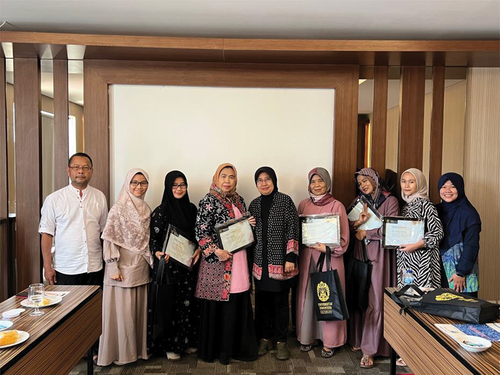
(126, 277)
(422, 257)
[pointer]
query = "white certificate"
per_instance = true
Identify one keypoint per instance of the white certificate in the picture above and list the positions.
(399, 231)
(373, 222)
(236, 234)
(323, 228)
(178, 246)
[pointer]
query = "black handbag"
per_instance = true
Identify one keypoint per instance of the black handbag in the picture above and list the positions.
(447, 303)
(328, 296)
(359, 276)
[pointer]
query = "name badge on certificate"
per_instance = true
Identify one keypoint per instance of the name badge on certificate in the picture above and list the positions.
(374, 221)
(399, 231)
(179, 246)
(235, 234)
(324, 228)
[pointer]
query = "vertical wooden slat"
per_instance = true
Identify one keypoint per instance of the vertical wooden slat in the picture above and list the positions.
(436, 146)
(4, 190)
(28, 170)
(379, 122)
(345, 140)
(61, 137)
(411, 127)
(96, 129)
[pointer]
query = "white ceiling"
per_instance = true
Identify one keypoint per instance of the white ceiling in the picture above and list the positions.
(327, 19)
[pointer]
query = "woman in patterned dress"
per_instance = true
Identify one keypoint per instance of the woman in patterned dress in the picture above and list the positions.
(333, 334)
(460, 245)
(422, 257)
(176, 312)
(226, 318)
(274, 260)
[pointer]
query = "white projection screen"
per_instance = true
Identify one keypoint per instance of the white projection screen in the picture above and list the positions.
(194, 129)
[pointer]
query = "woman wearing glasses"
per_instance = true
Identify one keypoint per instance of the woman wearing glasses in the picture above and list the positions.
(226, 318)
(176, 315)
(126, 277)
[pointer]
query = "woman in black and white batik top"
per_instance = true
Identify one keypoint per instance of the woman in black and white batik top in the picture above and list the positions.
(422, 257)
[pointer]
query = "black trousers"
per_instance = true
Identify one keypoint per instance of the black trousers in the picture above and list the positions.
(91, 278)
(272, 314)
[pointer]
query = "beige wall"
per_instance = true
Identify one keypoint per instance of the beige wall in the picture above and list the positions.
(392, 139)
(482, 170)
(454, 128)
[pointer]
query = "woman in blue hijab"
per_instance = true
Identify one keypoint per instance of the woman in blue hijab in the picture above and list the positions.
(460, 244)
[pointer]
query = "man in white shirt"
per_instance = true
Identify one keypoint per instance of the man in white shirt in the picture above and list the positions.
(75, 217)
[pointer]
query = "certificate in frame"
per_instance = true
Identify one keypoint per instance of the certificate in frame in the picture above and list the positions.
(399, 231)
(375, 220)
(179, 246)
(324, 228)
(236, 234)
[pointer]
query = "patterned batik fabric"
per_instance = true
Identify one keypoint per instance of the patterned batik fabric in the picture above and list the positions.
(450, 261)
(214, 276)
(424, 262)
(282, 236)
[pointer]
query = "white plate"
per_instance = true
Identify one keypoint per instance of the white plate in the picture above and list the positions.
(4, 324)
(23, 336)
(475, 344)
(53, 301)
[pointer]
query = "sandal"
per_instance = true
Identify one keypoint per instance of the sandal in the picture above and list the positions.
(366, 361)
(355, 349)
(325, 353)
(94, 359)
(309, 347)
(401, 363)
(173, 357)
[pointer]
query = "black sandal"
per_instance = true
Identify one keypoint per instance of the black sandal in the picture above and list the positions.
(309, 347)
(327, 353)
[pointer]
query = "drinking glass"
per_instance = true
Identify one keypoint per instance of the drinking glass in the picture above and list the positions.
(36, 295)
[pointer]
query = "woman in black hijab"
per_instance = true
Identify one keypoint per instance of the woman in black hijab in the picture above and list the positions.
(274, 260)
(176, 313)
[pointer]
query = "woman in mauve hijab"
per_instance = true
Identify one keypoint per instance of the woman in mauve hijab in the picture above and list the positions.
(126, 276)
(332, 334)
(226, 318)
(366, 328)
(460, 244)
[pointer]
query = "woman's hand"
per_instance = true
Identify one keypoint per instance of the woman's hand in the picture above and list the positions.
(408, 248)
(363, 216)
(223, 255)
(361, 234)
(458, 283)
(289, 267)
(196, 255)
(159, 254)
(252, 221)
(118, 276)
(321, 247)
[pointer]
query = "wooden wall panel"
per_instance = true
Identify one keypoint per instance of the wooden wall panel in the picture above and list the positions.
(411, 127)
(4, 196)
(28, 170)
(481, 170)
(379, 122)
(437, 125)
(344, 79)
(61, 111)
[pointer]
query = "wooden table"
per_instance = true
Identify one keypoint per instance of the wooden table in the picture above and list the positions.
(427, 350)
(59, 338)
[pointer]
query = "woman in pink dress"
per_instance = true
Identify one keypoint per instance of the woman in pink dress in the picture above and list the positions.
(333, 334)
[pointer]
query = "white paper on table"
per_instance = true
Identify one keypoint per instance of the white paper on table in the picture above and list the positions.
(236, 236)
(56, 294)
(373, 222)
(402, 231)
(321, 228)
(452, 331)
(179, 247)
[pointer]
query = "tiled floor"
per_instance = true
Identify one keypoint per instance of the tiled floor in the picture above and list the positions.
(343, 362)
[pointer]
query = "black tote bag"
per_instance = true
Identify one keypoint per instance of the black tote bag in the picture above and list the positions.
(358, 279)
(328, 297)
(449, 304)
